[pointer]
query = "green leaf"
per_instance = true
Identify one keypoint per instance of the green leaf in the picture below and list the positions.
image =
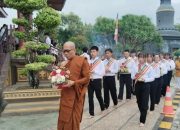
(45, 58)
(19, 53)
(36, 66)
(47, 18)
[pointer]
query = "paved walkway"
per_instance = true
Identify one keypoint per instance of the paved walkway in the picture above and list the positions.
(124, 117)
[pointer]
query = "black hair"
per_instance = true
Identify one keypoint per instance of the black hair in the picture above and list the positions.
(109, 50)
(133, 51)
(149, 54)
(85, 49)
(94, 48)
(141, 55)
(46, 33)
(167, 54)
(156, 54)
(126, 50)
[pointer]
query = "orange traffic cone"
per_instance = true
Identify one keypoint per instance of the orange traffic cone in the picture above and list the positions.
(168, 108)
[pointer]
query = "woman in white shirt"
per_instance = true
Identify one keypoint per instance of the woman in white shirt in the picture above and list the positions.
(144, 75)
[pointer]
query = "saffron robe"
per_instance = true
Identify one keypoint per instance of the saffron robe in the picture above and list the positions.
(72, 99)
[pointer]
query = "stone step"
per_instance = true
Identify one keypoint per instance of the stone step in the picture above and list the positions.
(31, 101)
(32, 95)
(25, 85)
(27, 108)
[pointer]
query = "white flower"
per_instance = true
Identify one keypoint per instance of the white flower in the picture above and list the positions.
(58, 71)
(60, 79)
(53, 79)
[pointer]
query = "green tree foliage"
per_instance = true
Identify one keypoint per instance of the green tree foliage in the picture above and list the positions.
(177, 53)
(26, 7)
(80, 41)
(47, 19)
(73, 29)
(104, 25)
(136, 31)
(177, 26)
(71, 26)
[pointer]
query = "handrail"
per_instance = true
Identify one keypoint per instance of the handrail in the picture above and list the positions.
(3, 33)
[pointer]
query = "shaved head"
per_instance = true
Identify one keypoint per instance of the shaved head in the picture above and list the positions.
(70, 44)
(69, 49)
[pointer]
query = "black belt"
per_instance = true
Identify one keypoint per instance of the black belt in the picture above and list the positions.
(94, 79)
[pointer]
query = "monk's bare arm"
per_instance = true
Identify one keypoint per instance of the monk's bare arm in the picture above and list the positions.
(85, 75)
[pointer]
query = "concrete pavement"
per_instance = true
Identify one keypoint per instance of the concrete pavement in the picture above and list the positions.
(124, 117)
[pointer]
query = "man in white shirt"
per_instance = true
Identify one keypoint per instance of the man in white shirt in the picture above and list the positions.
(109, 83)
(171, 67)
(126, 66)
(85, 54)
(164, 70)
(97, 70)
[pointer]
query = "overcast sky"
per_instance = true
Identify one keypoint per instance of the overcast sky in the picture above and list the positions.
(88, 10)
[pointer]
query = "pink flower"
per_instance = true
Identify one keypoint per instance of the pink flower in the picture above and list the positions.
(67, 76)
(68, 72)
(58, 75)
(62, 72)
(53, 73)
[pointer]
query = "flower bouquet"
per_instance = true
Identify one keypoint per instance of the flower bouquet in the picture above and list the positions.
(123, 68)
(59, 77)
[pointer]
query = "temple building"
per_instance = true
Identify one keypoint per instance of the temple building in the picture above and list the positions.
(165, 26)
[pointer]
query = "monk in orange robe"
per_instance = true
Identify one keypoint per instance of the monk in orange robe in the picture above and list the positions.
(73, 96)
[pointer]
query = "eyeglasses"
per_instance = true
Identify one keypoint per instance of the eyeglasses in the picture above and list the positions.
(64, 51)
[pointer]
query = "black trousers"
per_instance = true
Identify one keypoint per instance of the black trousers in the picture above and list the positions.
(165, 84)
(95, 86)
(158, 89)
(109, 85)
(169, 75)
(125, 79)
(142, 91)
(133, 87)
(153, 89)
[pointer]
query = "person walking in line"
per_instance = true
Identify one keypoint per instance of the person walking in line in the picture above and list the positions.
(158, 78)
(109, 83)
(73, 96)
(149, 60)
(171, 67)
(164, 71)
(134, 57)
(126, 66)
(97, 71)
(143, 76)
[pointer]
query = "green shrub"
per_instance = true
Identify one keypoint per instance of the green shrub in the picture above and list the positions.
(47, 18)
(36, 46)
(19, 53)
(36, 66)
(20, 35)
(45, 58)
(177, 53)
(20, 21)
